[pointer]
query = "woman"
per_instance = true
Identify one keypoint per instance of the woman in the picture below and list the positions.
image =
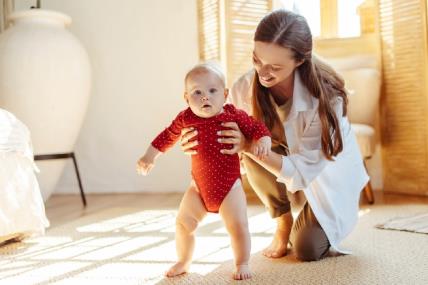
(303, 103)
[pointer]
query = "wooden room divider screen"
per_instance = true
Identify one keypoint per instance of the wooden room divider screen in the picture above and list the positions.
(404, 104)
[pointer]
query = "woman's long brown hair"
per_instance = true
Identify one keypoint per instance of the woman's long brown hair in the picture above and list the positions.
(291, 31)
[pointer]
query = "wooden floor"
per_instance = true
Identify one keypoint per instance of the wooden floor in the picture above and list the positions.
(61, 209)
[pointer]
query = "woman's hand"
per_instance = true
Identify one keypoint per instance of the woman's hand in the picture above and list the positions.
(186, 145)
(233, 136)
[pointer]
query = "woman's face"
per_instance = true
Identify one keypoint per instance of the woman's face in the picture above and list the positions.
(273, 63)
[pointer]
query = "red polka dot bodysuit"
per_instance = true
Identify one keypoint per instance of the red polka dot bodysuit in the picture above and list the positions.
(214, 173)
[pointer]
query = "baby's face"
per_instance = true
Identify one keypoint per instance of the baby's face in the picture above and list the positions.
(205, 94)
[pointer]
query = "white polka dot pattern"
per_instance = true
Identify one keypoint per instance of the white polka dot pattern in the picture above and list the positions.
(213, 172)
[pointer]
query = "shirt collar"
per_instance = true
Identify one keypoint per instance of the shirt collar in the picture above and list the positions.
(302, 98)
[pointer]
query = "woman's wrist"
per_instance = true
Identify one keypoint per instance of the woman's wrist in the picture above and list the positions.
(272, 163)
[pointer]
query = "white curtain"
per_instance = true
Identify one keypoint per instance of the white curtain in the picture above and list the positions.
(6, 7)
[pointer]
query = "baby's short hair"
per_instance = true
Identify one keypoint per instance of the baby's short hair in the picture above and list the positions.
(209, 66)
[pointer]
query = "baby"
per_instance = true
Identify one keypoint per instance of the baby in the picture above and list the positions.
(216, 185)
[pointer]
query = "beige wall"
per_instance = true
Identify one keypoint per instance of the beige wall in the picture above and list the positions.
(139, 51)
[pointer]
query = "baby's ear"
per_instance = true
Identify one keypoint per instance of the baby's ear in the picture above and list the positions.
(185, 97)
(226, 92)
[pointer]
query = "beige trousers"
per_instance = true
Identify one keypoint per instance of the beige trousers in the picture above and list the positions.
(308, 239)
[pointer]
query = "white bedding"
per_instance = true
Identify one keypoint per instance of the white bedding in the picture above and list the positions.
(22, 209)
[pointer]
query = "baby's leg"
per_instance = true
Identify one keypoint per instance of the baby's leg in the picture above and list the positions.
(190, 213)
(233, 210)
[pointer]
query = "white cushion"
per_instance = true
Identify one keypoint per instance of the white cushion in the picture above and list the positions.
(363, 85)
(365, 138)
(353, 62)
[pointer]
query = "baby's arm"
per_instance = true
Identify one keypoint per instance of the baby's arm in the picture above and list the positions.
(147, 161)
(262, 147)
(255, 130)
(164, 141)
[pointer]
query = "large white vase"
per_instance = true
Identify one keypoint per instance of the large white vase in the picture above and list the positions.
(45, 80)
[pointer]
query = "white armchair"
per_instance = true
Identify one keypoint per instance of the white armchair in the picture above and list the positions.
(363, 81)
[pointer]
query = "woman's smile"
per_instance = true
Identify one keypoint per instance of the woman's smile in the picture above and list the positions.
(266, 79)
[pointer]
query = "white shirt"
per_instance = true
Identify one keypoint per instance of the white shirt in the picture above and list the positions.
(332, 188)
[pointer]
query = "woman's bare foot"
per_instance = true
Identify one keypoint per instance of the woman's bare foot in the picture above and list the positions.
(278, 247)
(177, 269)
(242, 272)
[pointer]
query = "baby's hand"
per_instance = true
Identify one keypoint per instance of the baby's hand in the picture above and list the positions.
(144, 165)
(262, 147)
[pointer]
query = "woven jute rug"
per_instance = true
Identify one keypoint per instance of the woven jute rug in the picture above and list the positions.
(133, 246)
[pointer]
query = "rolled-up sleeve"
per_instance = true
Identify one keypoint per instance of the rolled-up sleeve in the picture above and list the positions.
(300, 168)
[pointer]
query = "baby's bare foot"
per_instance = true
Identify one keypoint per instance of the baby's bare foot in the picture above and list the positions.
(177, 269)
(242, 272)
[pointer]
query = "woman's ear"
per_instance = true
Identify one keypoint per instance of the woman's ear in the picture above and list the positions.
(300, 63)
(226, 92)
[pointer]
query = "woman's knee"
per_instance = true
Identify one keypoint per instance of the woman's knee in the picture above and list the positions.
(307, 252)
(272, 193)
(310, 244)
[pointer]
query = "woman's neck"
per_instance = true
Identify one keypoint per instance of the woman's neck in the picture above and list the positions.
(283, 91)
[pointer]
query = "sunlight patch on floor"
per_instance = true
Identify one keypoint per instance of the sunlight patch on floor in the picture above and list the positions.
(41, 273)
(17, 267)
(124, 273)
(363, 212)
(132, 246)
(120, 249)
(258, 223)
(143, 221)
